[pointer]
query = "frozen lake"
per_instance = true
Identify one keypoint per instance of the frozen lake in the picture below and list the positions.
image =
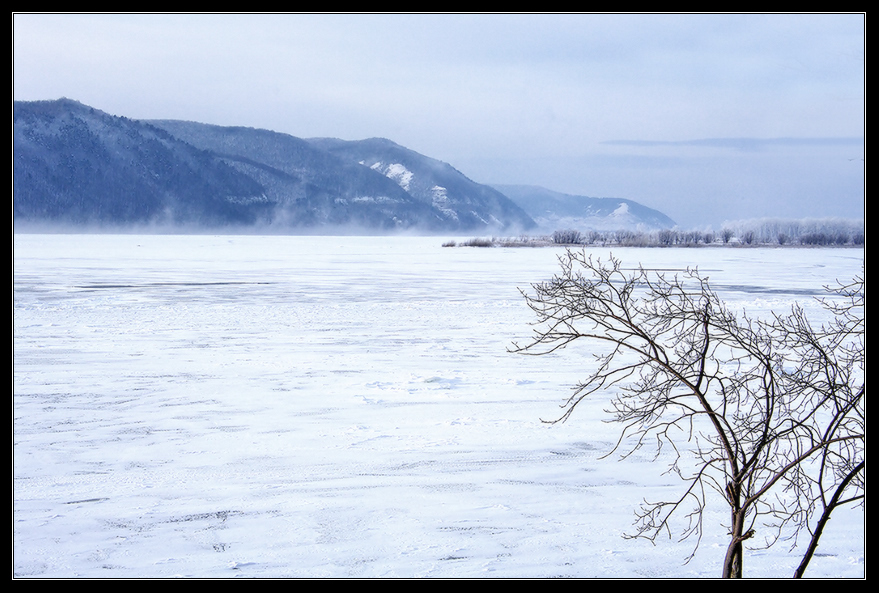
(222, 406)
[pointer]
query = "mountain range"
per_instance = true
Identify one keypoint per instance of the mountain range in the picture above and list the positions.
(552, 210)
(74, 165)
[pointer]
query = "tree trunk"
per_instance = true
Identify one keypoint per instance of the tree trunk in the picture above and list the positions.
(825, 517)
(732, 564)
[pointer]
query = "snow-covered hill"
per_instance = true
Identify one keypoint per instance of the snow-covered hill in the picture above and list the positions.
(461, 200)
(77, 166)
(553, 210)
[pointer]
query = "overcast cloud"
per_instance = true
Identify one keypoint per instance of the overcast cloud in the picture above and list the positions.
(706, 117)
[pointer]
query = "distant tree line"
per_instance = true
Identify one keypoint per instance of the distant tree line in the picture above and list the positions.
(748, 232)
(756, 232)
(830, 231)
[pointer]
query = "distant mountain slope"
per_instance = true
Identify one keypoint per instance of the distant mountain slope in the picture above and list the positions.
(461, 201)
(553, 210)
(309, 186)
(76, 165)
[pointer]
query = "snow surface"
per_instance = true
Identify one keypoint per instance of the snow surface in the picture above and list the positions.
(242, 406)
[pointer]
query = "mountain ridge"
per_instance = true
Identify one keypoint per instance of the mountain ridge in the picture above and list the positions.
(431, 181)
(76, 165)
(552, 210)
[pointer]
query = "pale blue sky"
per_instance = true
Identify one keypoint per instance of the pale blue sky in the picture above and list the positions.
(707, 117)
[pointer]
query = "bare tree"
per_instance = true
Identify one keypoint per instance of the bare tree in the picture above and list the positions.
(766, 416)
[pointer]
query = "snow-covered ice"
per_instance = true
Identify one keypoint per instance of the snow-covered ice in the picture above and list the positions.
(222, 406)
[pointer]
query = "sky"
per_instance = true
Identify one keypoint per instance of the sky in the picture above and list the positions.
(705, 117)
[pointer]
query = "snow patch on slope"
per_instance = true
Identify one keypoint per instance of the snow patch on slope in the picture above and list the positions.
(396, 171)
(375, 200)
(440, 201)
